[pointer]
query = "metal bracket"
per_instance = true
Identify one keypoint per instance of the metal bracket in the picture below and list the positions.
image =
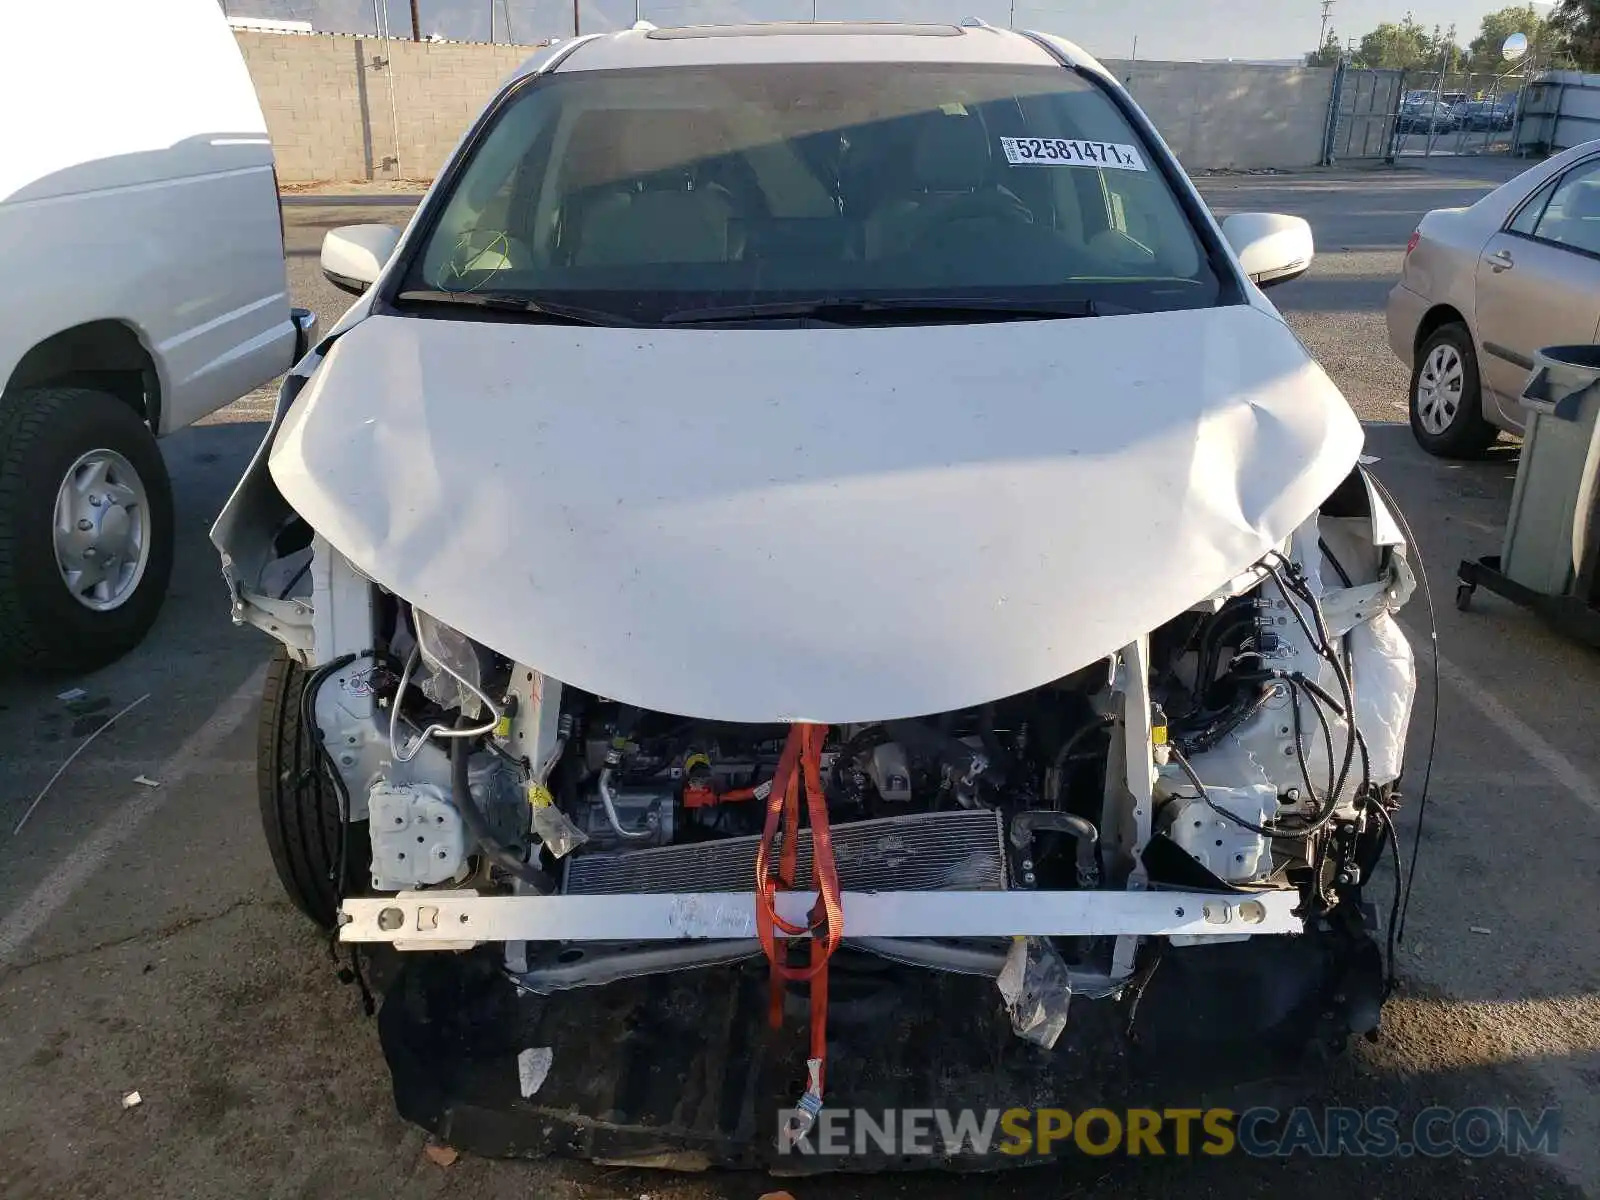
(1130, 794)
(287, 620)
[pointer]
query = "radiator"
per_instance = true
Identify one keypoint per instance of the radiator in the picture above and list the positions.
(938, 851)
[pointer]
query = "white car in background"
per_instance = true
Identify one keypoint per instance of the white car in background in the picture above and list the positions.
(1485, 287)
(862, 420)
(142, 246)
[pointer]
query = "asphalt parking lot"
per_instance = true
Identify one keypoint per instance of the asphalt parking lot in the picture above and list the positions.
(144, 945)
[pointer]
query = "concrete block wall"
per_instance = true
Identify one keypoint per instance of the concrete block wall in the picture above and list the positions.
(1233, 115)
(353, 108)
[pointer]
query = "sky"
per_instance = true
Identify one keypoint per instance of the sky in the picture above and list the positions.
(1166, 29)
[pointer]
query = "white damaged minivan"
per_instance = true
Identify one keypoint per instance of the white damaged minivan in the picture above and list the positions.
(817, 525)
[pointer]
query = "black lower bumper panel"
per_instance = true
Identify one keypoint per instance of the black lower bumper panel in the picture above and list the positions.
(682, 1071)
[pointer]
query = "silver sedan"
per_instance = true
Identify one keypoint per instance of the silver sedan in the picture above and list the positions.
(1485, 287)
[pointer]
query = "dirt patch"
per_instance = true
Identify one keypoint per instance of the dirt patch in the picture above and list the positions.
(356, 187)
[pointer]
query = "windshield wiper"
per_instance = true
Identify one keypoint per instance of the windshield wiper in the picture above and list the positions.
(843, 310)
(566, 314)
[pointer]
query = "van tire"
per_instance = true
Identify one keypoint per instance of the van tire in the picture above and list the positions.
(43, 433)
(300, 811)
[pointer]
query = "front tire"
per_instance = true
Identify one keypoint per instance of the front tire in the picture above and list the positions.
(85, 529)
(1447, 397)
(300, 811)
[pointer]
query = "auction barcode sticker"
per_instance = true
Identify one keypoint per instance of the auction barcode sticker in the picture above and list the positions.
(1069, 152)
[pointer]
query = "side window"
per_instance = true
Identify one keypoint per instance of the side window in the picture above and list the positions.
(1572, 218)
(1528, 215)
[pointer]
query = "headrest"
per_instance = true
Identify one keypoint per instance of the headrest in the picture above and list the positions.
(617, 146)
(952, 154)
(1584, 203)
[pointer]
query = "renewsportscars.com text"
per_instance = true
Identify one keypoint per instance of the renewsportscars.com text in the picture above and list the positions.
(1477, 1132)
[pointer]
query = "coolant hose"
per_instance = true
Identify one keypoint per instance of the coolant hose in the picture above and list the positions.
(1030, 821)
(477, 824)
(1073, 742)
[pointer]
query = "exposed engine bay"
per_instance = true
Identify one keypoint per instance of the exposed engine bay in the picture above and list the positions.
(1174, 836)
(1214, 759)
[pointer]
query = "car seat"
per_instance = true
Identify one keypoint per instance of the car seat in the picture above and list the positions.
(651, 205)
(952, 179)
(1578, 222)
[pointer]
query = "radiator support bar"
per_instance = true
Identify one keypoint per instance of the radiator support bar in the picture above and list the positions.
(440, 920)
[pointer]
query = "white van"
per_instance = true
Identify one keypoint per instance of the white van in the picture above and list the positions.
(141, 245)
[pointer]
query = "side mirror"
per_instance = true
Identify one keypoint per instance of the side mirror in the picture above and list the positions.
(353, 256)
(1272, 248)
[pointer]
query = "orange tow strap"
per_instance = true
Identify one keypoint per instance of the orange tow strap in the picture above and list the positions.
(801, 761)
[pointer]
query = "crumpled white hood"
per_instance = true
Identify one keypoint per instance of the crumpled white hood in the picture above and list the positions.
(830, 525)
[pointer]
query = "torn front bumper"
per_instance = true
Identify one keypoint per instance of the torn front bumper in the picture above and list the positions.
(682, 1070)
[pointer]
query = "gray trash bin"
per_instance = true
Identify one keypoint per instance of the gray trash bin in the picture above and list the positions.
(1551, 558)
(1551, 506)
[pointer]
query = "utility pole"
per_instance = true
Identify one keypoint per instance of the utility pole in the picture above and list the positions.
(416, 23)
(491, 22)
(575, 30)
(1327, 13)
(1135, 48)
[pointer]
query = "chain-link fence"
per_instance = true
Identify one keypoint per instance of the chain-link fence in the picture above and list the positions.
(1457, 113)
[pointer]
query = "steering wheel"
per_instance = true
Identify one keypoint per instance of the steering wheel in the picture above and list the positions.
(992, 205)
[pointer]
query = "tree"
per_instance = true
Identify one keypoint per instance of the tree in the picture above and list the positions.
(1483, 51)
(1444, 51)
(1447, 52)
(1406, 46)
(1331, 51)
(1576, 29)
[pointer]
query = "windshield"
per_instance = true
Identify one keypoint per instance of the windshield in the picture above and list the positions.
(649, 193)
